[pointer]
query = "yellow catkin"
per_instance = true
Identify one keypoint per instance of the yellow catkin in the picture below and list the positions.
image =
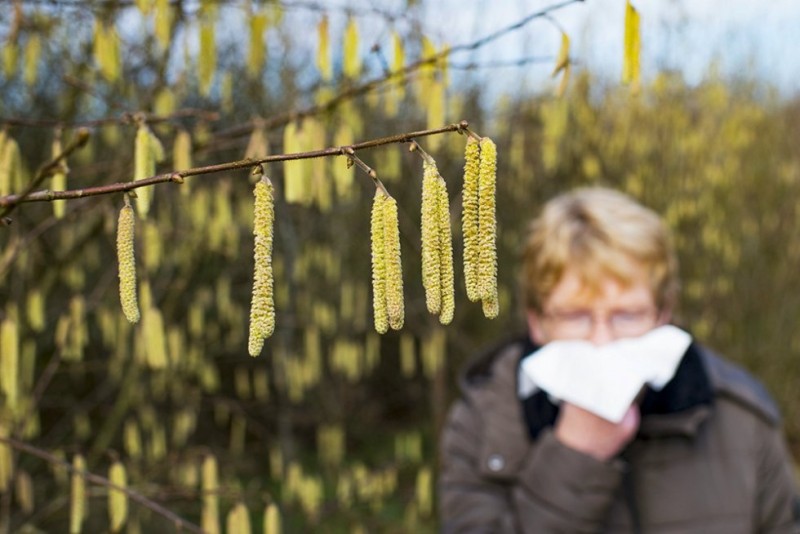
(395, 308)
(6, 461)
(342, 173)
(380, 311)
(9, 362)
(11, 171)
(78, 502)
(408, 361)
(10, 57)
(262, 309)
(351, 60)
(424, 491)
(431, 244)
(33, 51)
(469, 218)
(491, 306)
(435, 110)
(630, 64)
(182, 151)
(324, 50)
(447, 278)
(238, 520)
(163, 23)
(397, 90)
(257, 144)
(207, 60)
(487, 225)
(23, 489)
(144, 166)
(59, 181)
(296, 187)
(152, 338)
(107, 51)
(427, 71)
(127, 264)
(563, 54)
(272, 520)
(117, 500)
(210, 514)
(258, 50)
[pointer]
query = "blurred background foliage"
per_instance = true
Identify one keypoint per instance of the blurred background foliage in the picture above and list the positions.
(333, 423)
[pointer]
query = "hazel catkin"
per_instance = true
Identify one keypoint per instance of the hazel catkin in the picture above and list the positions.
(262, 308)
(394, 274)
(446, 275)
(377, 234)
(127, 264)
(431, 250)
(469, 218)
(117, 500)
(487, 225)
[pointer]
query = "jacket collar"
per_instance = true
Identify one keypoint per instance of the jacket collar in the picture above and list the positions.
(490, 384)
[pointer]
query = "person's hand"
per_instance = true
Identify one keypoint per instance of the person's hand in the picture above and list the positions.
(590, 434)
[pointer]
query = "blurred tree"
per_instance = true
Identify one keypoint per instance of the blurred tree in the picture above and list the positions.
(333, 424)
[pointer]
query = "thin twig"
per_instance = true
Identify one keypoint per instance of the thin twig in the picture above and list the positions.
(351, 155)
(178, 176)
(80, 139)
(127, 117)
(424, 155)
(178, 521)
(358, 90)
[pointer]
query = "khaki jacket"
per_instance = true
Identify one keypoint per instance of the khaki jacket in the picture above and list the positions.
(718, 468)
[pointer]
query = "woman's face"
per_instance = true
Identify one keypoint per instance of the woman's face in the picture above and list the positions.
(610, 311)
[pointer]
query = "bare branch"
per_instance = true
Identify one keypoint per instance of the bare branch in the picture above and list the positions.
(178, 176)
(80, 139)
(176, 520)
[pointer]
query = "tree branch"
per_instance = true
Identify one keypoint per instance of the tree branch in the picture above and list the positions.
(80, 139)
(177, 521)
(127, 117)
(178, 176)
(358, 90)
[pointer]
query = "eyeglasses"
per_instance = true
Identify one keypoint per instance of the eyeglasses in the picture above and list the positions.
(621, 323)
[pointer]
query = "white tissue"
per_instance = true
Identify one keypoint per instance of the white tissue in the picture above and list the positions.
(605, 379)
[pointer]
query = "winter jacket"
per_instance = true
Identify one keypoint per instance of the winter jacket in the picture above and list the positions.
(709, 458)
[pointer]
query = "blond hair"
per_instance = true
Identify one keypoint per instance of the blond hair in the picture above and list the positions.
(599, 232)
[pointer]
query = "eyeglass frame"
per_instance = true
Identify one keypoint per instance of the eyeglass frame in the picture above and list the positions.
(645, 319)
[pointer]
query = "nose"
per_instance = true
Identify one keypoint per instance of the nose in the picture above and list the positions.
(601, 333)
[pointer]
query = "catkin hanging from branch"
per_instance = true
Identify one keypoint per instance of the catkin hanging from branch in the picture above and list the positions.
(387, 275)
(437, 245)
(78, 503)
(380, 312)
(431, 278)
(469, 218)
(126, 261)
(147, 151)
(59, 180)
(487, 227)
(117, 500)
(447, 278)
(262, 309)
(394, 273)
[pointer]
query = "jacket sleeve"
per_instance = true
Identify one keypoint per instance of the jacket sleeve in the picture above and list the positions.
(777, 500)
(563, 490)
(557, 489)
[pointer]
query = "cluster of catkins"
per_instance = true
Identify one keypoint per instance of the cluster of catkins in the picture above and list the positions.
(478, 228)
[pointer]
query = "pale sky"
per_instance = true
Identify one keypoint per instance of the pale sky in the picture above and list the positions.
(758, 39)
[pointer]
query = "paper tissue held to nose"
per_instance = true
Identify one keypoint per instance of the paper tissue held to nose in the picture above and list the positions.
(604, 379)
